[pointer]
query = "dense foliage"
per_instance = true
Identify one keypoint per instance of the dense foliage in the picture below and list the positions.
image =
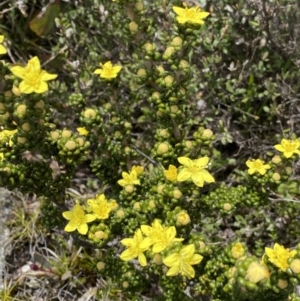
(181, 125)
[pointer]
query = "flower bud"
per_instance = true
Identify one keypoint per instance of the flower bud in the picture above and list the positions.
(16, 90)
(177, 194)
(55, 135)
(207, 134)
(142, 73)
(21, 110)
(66, 133)
(168, 53)
(276, 176)
(152, 204)
(276, 159)
(295, 266)
(150, 48)
(184, 65)
(99, 234)
(157, 259)
(282, 284)
(160, 69)
(177, 42)
(160, 188)
(183, 218)
(40, 104)
(26, 127)
(139, 6)
(101, 265)
(227, 206)
(21, 140)
(129, 189)
(133, 27)
(169, 80)
(90, 113)
(120, 213)
(70, 145)
(125, 284)
(136, 206)
(163, 148)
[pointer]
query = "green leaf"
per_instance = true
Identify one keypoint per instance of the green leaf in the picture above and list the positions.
(229, 88)
(43, 23)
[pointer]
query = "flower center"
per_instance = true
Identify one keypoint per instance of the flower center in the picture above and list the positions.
(291, 146)
(194, 168)
(79, 220)
(32, 76)
(190, 13)
(257, 165)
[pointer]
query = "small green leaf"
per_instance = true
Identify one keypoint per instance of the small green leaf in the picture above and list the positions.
(229, 88)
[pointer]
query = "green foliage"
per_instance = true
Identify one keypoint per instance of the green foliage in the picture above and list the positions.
(226, 90)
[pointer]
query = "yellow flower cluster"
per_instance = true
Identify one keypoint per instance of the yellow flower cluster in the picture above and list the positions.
(97, 209)
(160, 238)
(280, 257)
(194, 170)
(287, 147)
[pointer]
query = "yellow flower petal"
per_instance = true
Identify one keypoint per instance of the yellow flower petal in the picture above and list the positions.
(171, 260)
(2, 49)
(127, 255)
(183, 175)
(18, 71)
(70, 227)
(68, 215)
(173, 271)
(207, 177)
(202, 162)
(142, 259)
(83, 229)
(89, 218)
(178, 10)
(45, 76)
(185, 161)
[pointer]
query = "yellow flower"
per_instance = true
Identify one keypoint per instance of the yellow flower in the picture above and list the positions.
(257, 165)
(78, 220)
(108, 71)
(129, 179)
(135, 250)
(82, 131)
(256, 272)
(279, 256)
(100, 207)
(158, 236)
(138, 169)
(192, 15)
(237, 250)
(181, 263)
(195, 170)
(171, 173)
(34, 79)
(7, 135)
(2, 48)
(1, 157)
(288, 147)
